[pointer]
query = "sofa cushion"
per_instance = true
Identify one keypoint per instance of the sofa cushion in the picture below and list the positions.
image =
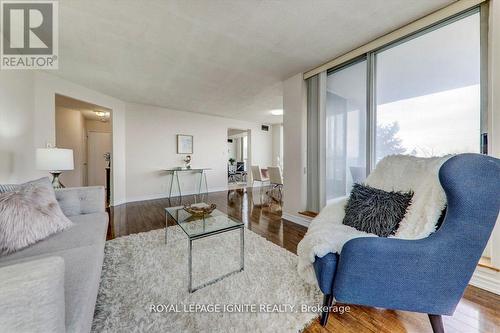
(81, 200)
(69, 202)
(39, 283)
(81, 282)
(376, 211)
(88, 229)
(28, 214)
(83, 273)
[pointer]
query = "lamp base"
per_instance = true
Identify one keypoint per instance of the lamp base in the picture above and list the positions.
(55, 180)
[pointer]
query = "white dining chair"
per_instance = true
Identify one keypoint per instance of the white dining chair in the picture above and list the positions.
(257, 175)
(276, 180)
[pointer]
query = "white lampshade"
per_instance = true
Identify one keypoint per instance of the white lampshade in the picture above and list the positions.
(54, 159)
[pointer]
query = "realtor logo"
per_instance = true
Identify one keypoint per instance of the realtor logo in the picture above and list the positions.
(29, 38)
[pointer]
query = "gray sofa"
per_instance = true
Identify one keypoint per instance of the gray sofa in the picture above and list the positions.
(52, 285)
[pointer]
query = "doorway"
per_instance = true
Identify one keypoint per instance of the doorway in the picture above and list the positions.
(86, 129)
(238, 147)
(98, 145)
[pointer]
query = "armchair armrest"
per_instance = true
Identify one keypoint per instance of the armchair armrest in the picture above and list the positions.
(427, 275)
(333, 213)
(32, 296)
(81, 200)
(335, 209)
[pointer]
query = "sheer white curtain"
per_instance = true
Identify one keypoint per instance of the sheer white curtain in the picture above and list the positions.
(336, 127)
(345, 129)
(316, 104)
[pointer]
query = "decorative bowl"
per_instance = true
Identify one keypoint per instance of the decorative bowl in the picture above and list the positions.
(199, 211)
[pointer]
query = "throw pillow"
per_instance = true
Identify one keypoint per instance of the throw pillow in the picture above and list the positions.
(69, 201)
(376, 211)
(7, 188)
(29, 214)
(16, 187)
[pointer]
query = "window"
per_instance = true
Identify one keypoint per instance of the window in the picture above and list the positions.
(428, 93)
(420, 96)
(345, 129)
(244, 149)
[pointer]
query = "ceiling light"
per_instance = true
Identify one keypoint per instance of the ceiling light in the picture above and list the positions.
(103, 115)
(277, 112)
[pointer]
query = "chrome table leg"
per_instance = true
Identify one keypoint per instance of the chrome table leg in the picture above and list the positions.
(190, 266)
(242, 248)
(171, 183)
(166, 227)
(179, 186)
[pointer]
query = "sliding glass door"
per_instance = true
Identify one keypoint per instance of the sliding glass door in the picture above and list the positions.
(428, 93)
(419, 96)
(345, 129)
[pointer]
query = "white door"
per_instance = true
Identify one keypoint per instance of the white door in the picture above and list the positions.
(98, 144)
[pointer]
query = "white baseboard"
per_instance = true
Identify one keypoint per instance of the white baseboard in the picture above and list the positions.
(487, 279)
(165, 195)
(301, 220)
(118, 202)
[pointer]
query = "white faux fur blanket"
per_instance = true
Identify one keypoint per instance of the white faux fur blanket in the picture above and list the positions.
(327, 234)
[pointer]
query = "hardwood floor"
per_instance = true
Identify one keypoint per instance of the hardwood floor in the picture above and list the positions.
(478, 311)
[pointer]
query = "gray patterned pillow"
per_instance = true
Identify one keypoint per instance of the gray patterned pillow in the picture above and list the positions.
(376, 211)
(8, 188)
(29, 214)
(15, 187)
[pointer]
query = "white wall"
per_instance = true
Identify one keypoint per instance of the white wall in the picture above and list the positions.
(231, 149)
(236, 150)
(27, 122)
(295, 146)
(277, 144)
(151, 147)
(98, 126)
(17, 149)
(46, 87)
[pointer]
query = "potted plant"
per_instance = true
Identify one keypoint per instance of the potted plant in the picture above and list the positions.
(231, 161)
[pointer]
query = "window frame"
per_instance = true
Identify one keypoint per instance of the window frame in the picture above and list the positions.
(371, 58)
(333, 70)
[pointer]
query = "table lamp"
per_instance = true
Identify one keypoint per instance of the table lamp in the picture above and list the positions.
(54, 160)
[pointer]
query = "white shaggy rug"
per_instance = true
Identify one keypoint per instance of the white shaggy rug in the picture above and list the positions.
(140, 272)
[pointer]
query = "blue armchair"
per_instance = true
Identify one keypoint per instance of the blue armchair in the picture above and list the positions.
(428, 275)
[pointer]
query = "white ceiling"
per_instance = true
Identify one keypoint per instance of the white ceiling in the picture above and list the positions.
(455, 66)
(223, 57)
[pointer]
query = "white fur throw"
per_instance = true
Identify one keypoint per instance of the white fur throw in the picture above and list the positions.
(327, 234)
(28, 214)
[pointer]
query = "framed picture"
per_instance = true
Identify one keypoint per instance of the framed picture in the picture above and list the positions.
(184, 144)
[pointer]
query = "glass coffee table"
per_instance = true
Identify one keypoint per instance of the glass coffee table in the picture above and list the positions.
(200, 227)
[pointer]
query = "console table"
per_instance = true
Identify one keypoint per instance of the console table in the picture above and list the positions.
(174, 176)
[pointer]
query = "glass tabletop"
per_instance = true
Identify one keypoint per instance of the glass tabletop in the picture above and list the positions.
(194, 226)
